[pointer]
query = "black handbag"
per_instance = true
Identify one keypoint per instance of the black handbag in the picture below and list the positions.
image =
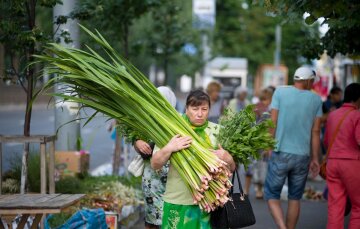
(236, 213)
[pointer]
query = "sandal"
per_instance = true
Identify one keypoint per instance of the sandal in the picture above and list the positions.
(259, 196)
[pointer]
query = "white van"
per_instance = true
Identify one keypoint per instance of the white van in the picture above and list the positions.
(229, 71)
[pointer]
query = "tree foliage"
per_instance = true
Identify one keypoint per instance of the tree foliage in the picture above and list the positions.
(342, 17)
(247, 30)
(22, 37)
(115, 17)
(156, 32)
(171, 31)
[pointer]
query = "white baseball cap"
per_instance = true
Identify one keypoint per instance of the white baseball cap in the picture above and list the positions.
(304, 73)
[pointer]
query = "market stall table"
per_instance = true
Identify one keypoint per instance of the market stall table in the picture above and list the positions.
(35, 204)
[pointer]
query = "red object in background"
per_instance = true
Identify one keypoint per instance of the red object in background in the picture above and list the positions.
(321, 87)
(111, 220)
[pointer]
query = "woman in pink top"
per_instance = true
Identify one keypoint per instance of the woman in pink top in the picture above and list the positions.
(343, 138)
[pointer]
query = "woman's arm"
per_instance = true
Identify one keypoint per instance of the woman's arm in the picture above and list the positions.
(142, 147)
(357, 131)
(177, 143)
(315, 147)
(274, 118)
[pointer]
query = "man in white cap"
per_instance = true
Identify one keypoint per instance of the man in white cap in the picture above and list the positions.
(296, 112)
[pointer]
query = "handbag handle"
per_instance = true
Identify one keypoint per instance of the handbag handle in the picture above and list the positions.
(239, 183)
(332, 140)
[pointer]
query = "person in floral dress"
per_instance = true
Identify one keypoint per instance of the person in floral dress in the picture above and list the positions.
(153, 181)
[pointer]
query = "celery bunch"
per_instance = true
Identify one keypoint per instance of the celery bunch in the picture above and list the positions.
(113, 86)
(243, 137)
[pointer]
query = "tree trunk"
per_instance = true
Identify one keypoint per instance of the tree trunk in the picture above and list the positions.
(117, 155)
(15, 61)
(126, 40)
(118, 139)
(167, 46)
(2, 63)
(165, 66)
(30, 5)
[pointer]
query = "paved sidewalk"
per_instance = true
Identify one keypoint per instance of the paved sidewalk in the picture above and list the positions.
(313, 213)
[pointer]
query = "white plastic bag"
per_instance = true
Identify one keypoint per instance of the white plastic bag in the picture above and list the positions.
(136, 166)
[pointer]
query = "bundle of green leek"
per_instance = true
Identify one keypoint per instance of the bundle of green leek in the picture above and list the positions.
(243, 136)
(113, 86)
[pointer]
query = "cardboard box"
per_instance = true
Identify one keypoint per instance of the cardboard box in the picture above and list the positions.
(71, 163)
(111, 220)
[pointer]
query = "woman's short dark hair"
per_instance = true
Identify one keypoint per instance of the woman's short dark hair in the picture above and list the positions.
(197, 97)
(352, 93)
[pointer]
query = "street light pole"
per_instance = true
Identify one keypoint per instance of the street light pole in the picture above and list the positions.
(277, 54)
(206, 54)
(65, 112)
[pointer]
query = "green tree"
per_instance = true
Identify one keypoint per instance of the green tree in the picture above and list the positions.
(114, 17)
(19, 35)
(342, 17)
(246, 30)
(169, 34)
(22, 37)
(152, 31)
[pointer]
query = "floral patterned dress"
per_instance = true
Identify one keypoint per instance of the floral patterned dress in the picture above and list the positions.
(153, 186)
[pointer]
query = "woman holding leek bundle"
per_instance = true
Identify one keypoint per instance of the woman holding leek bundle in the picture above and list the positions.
(179, 208)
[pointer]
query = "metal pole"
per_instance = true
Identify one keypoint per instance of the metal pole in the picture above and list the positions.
(0, 168)
(277, 54)
(206, 54)
(278, 77)
(65, 112)
(206, 58)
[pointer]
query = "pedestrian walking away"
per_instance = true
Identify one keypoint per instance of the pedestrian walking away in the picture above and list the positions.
(296, 113)
(342, 137)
